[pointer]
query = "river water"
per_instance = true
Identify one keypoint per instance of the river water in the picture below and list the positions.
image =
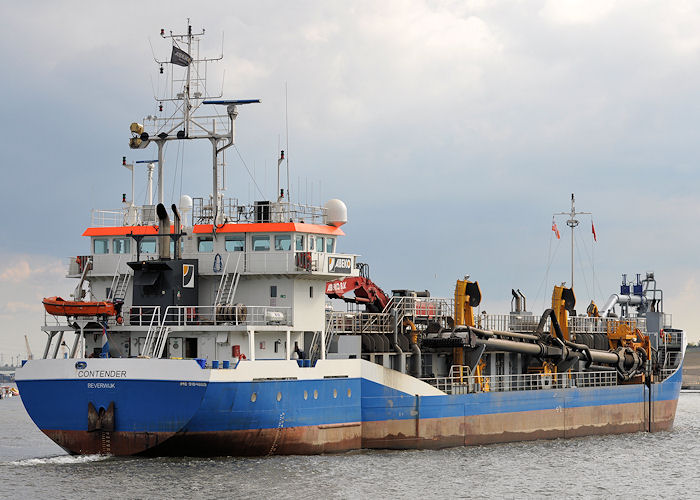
(665, 464)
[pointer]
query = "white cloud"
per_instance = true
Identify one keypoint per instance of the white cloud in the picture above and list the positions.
(24, 280)
(454, 129)
(577, 12)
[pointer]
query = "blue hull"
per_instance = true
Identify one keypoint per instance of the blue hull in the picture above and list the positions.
(327, 414)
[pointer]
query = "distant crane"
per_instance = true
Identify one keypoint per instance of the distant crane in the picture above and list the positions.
(29, 349)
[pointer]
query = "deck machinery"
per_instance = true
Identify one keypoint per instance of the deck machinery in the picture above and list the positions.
(445, 342)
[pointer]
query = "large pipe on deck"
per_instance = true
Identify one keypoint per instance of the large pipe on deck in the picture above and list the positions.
(615, 298)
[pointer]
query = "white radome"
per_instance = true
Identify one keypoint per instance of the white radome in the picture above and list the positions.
(336, 212)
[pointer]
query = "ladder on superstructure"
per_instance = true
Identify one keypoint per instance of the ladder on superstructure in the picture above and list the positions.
(120, 284)
(228, 284)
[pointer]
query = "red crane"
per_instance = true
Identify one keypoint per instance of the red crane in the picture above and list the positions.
(366, 292)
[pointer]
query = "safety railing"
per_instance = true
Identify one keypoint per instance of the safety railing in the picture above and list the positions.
(236, 212)
(129, 216)
(577, 324)
(665, 373)
(359, 322)
(457, 383)
(142, 315)
(670, 338)
(420, 307)
(211, 315)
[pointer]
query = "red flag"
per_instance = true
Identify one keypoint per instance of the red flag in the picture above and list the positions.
(595, 238)
(555, 229)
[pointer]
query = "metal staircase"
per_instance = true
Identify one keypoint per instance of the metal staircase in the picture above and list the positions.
(120, 285)
(228, 284)
(329, 332)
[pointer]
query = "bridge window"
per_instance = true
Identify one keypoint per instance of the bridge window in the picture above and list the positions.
(261, 243)
(235, 243)
(100, 246)
(319, 243)
(283, 242)
(299, 242)
(121, 245)
(147, 245)
(330, 245)
(205, 244)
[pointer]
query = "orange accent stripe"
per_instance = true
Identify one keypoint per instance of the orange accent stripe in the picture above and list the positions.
(270, 227)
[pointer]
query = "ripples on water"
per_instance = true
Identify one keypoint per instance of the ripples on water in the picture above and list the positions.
(634, 465)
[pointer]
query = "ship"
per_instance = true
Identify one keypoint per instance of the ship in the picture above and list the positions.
(204, 329)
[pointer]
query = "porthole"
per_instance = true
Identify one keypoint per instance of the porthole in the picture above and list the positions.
(306, 395)
(349, 393)
(279, 396)
(253, 397)
(315, 394)
(335, 393)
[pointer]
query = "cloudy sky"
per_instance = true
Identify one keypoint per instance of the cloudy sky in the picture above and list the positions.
(452, 130)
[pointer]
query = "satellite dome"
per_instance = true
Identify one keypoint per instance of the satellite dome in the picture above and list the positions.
(336, 212)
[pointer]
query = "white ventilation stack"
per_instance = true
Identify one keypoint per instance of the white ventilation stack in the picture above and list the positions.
(336, 212)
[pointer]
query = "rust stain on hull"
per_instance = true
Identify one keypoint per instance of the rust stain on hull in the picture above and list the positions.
(432, 433)
(106, 443)
(311, 440)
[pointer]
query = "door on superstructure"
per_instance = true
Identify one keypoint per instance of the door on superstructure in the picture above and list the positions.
(175, 347)
(190, 345)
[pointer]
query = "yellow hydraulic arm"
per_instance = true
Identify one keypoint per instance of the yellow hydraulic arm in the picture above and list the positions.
(467, 296)
(563, 301)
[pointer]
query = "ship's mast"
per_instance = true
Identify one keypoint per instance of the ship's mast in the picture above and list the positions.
(185, 123)
(572, 222)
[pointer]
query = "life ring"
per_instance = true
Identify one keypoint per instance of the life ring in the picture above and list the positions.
(218, 266)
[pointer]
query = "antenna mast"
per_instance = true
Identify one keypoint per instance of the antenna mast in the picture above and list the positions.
(185, 122)
(572, 222)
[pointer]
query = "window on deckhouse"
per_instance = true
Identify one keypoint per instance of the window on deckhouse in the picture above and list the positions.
(121, 245)
(261, 242)
(283, 242)
(235, 243)
(205, 244)
(100, 246)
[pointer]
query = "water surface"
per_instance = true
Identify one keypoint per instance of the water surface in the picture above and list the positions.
(634, 465)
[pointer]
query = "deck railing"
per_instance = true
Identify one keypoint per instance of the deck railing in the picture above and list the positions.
(463, 384)
(211, 315)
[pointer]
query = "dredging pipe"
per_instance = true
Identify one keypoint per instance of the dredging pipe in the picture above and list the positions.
(625, 360)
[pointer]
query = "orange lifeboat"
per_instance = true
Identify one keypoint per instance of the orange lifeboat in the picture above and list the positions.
(56, 306)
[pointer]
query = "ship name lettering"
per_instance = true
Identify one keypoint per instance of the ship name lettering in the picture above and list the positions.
(100, 385)
(102, 374)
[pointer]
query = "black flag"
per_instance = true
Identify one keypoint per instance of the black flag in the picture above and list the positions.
(180, 57)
